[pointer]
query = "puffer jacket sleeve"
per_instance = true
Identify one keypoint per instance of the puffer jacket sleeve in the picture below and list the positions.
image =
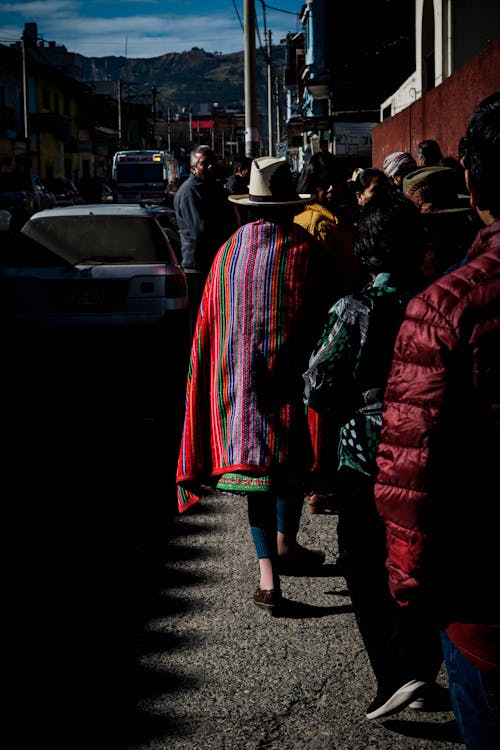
(412, 405)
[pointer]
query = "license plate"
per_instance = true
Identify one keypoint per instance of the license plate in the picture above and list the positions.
(89, 296)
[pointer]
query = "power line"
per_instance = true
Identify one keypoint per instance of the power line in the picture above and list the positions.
(280, 10)
(238, 14)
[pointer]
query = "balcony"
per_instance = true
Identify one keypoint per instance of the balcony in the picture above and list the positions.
(49, 122)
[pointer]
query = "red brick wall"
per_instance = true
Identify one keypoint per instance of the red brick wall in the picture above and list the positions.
(443, 113)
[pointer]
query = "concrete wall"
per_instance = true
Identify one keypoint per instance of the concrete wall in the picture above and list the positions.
(443, 112)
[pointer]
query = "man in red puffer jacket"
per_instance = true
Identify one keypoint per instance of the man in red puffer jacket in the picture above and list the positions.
(439, 455)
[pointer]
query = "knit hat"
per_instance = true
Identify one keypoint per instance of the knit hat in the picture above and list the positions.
(433, 189)
(271, 184)
(397, 162)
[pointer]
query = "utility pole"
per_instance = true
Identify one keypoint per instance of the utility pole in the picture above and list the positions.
(27, 155)
(154, 91)
(278, 107)
(120, 113)
(269, 97)
(251, 122)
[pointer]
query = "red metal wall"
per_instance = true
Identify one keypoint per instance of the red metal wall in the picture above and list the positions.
(443, 113)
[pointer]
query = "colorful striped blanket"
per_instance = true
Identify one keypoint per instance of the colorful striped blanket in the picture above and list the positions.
(260, 315)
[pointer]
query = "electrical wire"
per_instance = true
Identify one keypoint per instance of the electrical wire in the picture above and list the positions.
(280, 10)
(238, 14)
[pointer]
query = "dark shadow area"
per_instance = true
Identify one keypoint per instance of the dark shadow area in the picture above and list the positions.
(89, 484)
(327, 570)
(299, 610)
(445, 732)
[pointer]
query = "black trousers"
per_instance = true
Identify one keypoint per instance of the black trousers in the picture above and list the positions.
(402, 643)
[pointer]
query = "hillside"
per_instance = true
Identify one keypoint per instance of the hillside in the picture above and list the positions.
(182, 80)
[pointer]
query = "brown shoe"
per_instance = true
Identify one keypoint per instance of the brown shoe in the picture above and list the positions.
(267, 598)
(316, 502)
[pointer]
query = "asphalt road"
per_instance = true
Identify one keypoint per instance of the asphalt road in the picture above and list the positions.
(133, 627)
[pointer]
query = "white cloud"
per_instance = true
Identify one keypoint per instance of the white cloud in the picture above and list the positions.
(142, 35)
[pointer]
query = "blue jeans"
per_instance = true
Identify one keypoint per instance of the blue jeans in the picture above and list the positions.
(269, 514)
(475, 697)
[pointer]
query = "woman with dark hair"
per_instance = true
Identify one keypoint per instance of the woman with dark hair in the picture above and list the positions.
(324, 178)
(371, 183)
(345, 383)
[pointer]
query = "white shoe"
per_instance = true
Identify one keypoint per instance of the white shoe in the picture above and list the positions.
(383, 705)
(433, 697)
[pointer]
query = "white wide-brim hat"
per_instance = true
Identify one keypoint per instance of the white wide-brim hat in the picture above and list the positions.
(271, 184)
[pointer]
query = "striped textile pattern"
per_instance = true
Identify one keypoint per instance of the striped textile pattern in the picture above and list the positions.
(257, 324)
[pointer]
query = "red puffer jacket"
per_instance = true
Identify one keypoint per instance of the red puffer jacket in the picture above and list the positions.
(438, 461)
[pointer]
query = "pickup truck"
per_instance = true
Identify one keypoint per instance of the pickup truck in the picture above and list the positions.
(23, 194)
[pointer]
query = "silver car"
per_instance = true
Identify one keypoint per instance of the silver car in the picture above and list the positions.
(88, 265)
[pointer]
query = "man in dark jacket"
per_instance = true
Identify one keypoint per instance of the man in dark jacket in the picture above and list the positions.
(205, 220)
(437, 483)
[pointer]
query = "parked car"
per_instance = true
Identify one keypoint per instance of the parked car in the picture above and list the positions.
(5, 222)
(65, 191)
(23, 194)
(95, 318)
(167, 219)
(95, 190)
(93, 265)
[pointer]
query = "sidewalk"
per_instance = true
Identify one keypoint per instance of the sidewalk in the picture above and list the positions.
(214, 672)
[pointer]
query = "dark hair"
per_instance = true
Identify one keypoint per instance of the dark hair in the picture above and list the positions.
(482, 153)
(364, 179)
(243, 163)
(447, 237)
(430, 152)
(389, 236)
(322, 168)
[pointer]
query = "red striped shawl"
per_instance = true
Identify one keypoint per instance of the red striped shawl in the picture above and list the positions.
(259, 318)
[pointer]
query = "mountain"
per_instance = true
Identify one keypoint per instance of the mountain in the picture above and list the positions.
(182, 80)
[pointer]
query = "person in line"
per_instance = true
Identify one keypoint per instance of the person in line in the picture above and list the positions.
(450, 226)
(324, 178)
(370, 183)
(345, 381)
(429, 154)
(432, 189)
(397, 165)
(204, 220)
(237, 184)
(245, 428)
(437, 482)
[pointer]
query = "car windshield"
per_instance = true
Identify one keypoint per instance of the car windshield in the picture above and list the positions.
(106, 239)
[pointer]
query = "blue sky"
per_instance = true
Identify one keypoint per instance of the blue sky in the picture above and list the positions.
(147, 28)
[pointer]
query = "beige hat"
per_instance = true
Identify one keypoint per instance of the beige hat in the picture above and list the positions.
(434, 189)
(271, 184)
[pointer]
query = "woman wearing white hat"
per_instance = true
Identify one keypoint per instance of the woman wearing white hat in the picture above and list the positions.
(245, 428)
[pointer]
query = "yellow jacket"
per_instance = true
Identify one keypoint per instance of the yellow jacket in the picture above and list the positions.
(346, 271)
